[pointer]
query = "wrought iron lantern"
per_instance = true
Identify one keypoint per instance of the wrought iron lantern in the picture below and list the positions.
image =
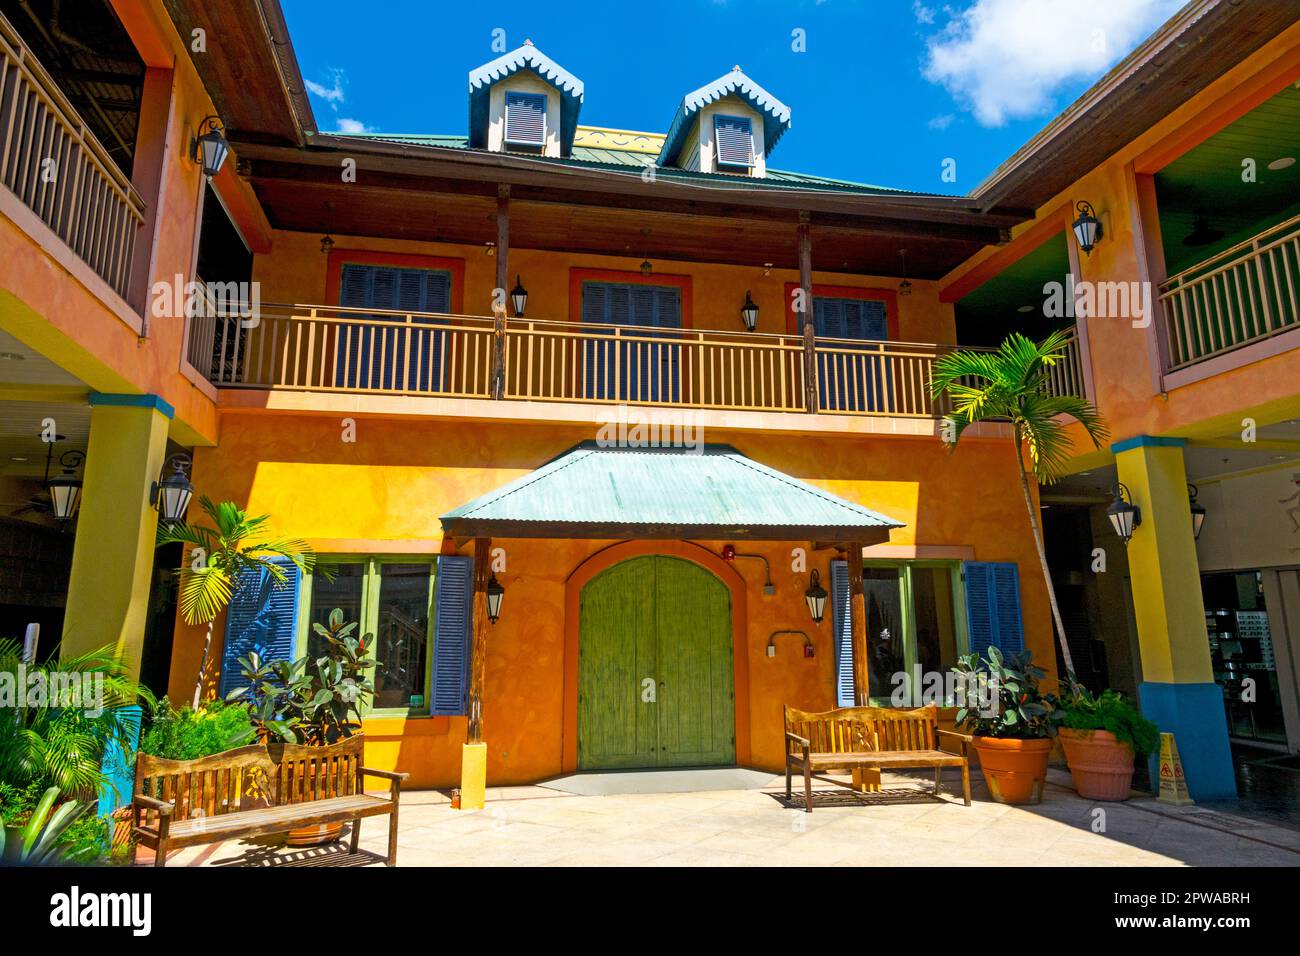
(171, 496)
(749, 313)
(816, 597)
(65, 489)
(1087, 228)
(1198, 511)
(519, 296)
(211, 148)
(495, 592)
(1123, 514)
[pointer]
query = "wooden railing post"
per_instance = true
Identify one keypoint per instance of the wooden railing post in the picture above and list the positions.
(806, 314)
(478, 647)
(500, 296)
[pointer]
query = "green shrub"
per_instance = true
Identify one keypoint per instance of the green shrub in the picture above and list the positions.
(1111, 711)
(187, 734)
(1021, 711)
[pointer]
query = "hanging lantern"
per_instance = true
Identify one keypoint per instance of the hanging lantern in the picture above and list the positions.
(326, 244)
(646, 268)
(1198, 511)
(816, 597)
(211, 148)
(519, 296)
(171, 496)
(749, 313)
(495, 592)
(904, 287)
(65, 489)
(1123, 514)
(1087, 228)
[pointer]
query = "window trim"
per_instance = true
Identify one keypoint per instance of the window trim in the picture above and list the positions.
(868, 294)
(373, 257)
(370, 582)
(580, 276)
(718, 161)
(505, 118)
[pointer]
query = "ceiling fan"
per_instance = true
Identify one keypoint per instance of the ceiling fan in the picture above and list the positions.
(40, 502)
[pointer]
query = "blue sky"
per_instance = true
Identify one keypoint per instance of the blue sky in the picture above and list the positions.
(884, 91)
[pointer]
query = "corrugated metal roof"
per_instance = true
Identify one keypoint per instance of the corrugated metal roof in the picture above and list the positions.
(594, 491)
(617, 160)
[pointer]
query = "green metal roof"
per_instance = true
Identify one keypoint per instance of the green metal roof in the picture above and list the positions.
(624, 160)
(713, 492)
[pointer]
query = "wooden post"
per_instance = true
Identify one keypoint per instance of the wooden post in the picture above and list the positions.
(808, 327)
(478, 650)
(865, 780)
(500, 305)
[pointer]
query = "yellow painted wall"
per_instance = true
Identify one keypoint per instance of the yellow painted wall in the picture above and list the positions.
(385, 492)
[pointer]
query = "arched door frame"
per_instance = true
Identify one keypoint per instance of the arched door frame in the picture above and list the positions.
(608, 557)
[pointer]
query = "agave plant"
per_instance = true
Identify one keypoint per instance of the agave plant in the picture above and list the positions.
(60, 746)
(220, 555)
(1011, 384)
(37, 842)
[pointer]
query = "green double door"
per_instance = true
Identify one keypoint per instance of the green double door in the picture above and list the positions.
(655, 679)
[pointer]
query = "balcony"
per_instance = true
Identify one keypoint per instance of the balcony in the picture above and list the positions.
(56, 167)
(1243, 295)
(338, 350)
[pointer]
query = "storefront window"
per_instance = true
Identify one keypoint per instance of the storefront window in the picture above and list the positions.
(1241, 652)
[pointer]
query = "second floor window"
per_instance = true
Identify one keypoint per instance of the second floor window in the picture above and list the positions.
(381, 353)
(525, 119)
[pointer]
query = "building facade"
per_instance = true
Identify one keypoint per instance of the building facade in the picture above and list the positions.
(649, 392)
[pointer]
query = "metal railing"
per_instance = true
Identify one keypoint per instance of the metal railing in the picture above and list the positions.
(1244, 294)
(52, 162)
(335, 349)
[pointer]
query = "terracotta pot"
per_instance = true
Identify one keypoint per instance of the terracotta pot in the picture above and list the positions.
(1101, 766)
(314, 835)
(1014, 770)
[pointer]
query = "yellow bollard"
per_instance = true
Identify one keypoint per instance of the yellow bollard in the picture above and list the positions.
(473, 776)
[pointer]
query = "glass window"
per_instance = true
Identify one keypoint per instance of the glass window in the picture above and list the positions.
(882, 598)
(915, 623)
(936, 624)
(401, 635)
(344, 592)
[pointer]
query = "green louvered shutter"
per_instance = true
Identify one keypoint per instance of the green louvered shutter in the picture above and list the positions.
(452, 629)
(842, 623)
(993, 607)
(263, 618)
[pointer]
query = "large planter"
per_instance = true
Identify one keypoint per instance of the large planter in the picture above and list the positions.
(1014, 770)
(1101, 766)
(316, 835)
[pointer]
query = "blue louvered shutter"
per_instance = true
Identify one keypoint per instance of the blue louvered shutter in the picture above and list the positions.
(525, 119)
(262, 618)
(650, 372)
(372, 357)
(734, 139)
(993, 607)
(452, 630)
(842, 625)
(847, 382)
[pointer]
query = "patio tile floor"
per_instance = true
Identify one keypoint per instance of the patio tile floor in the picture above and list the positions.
(536, 826)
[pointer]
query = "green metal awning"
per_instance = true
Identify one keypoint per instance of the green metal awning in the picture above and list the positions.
(627, 493)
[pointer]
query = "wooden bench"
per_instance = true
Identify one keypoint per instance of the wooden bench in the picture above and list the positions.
(858, 738)
(257, 791)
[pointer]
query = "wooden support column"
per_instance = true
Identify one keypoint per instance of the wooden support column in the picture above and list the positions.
(864, 780)
(805, 316)
(473, 760)
(501, 297)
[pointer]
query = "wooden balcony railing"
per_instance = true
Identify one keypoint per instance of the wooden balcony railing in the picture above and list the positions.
(56, 167)
(327, 349)
(1242, 295)
(1066, 376)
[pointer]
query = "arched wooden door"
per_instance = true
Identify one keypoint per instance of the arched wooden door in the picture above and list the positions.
(655, 678)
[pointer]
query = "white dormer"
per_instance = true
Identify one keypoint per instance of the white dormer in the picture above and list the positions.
(524, 102)
(728, 126)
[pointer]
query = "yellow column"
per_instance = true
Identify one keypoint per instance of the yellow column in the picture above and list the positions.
(112, 558)
(1178, 691)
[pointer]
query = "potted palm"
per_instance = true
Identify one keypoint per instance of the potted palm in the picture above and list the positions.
(1102, 736)
(1011, 385)
(220, 554)
(313, 701)
(1012, 728)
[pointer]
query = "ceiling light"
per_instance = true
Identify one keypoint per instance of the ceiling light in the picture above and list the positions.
(12, 357)
(1284, 162)
(17, 457)
(1025, 308)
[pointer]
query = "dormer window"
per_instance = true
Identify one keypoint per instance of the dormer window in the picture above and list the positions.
(733, 138)
(526, 120)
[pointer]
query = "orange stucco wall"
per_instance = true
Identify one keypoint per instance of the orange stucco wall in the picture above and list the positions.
(383, 494)
(1126, 393)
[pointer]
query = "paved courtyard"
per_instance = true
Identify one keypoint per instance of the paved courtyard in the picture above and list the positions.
(903, 826)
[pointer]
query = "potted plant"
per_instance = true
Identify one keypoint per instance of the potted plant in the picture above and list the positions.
(1011, 726)
(313, 701)
(1101, 737)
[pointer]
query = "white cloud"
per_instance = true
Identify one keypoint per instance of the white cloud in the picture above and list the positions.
(1005, 59)
(349, 126)
(333, 95)
(941, 122)
(923, 13)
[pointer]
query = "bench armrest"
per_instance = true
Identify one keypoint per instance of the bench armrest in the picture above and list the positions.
(957, 734)
(795, 738)
(386, 774)
(164, 807)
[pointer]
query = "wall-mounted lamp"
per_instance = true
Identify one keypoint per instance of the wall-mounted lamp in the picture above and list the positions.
(1087, 228)
(171, 496)
(495, 592)
(646, 268)
(904, 287)
(749, 313)
(210, 148)
(816, 597)
(490, 248)
(1123, 514)
(326, 244)
(1198, 511)
(65, 489)
(519, 296)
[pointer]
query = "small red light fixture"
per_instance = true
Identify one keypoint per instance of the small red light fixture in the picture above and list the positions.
(728, 552)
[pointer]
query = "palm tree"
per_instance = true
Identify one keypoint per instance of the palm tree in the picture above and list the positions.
(1010, 384)
(234, 545)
